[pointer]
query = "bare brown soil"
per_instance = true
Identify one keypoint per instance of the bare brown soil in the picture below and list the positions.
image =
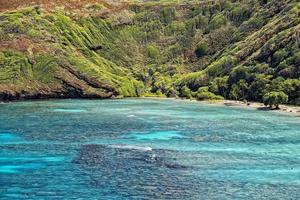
(49, 4)
(25, 44)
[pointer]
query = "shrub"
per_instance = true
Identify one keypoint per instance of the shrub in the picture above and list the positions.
(274, 99)
(175, 28)
(253, 23)
(262, 2)
(262, 68)
(171, 92)
(173, 52)
(240, 14)
(279, 56)
(221, 66)
(152, 53)
(201, 50)
(238, 74)
(122, 17)
(204, 94)
(167, 15)
(94, 8)
(292, 89)
(194, 80)
(199, 22)
(258, 87)
(296, 58)
(217, 21)
(219, 86)
(239, 90)
(186, 92)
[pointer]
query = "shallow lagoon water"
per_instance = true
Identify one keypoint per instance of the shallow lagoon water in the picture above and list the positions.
(146, 149)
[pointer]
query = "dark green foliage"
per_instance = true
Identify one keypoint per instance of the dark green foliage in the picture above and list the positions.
(186, 92)
(258, 87)
(253, 23)
(152, 53)
(239, 73)
(217, 21)
(44, 68)
(14, 67)
(235, 49)
(221, 66)
(201, 50)
(292, 88)
(275, 98)
(200, 22)
(167, 15)
(219, 86)
(240, 13)
(204, 94)
(279, 56)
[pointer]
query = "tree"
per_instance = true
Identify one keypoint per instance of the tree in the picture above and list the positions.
(277, 84)
(217, 21)
(279, 56)
(201, 50)
(239, 90)
(274, 99)
(219, 86)
(186, 92)
(234, 92)
(238, 74)
(152, 53)
(244, 87)
(262, 2)
(258, 87)
(201, 22)
(204, 94)
(240, 14)
(292, 89)
(167, 15)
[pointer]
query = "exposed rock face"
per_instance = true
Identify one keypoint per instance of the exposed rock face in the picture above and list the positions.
(67, 90)
(96, 47)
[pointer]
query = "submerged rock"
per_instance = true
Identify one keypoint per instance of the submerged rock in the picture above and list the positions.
(116, 156)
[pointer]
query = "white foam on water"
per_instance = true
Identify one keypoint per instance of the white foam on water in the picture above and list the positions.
(138, 148)
(69, 110)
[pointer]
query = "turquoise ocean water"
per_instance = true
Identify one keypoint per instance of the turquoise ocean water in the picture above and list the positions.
(146, 149)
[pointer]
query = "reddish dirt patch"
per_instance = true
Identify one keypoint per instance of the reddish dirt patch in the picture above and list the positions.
(77, 7)
(24, 44)
(48, 5)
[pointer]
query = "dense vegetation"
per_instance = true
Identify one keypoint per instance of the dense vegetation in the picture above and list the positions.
(241, 50)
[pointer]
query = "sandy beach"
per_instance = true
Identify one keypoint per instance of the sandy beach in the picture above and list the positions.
(283, 108)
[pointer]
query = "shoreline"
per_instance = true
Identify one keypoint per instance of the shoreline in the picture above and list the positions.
(283, 108)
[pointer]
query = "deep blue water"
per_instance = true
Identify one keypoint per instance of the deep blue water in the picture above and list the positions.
(146, 149)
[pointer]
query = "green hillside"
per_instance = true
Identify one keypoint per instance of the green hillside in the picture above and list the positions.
(241, 50)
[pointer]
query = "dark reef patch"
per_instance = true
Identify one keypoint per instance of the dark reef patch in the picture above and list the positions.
(94, 155)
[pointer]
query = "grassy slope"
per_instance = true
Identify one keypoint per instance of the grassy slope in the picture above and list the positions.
(51, 49)
(133, 49)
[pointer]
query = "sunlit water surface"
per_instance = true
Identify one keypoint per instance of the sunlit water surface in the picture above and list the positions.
(146, 149)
